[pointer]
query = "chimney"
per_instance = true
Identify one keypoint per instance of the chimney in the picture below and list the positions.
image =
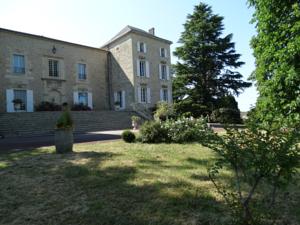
(152, 31)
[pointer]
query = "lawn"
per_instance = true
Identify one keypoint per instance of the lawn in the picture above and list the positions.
(115, 183)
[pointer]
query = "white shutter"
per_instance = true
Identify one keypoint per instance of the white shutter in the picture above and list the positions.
(90, 100)
(147, 69)
(166, 53)
(123, 100)
(145, 47)
(139, 94)
(160, 52)
(168, 72)
(138, 68)
(148, 95)
(170, 100)
(138, 46)
(160, 72)
(75, 97)
(29, 103)
(9, 99)
(161, 95)
(115, 97)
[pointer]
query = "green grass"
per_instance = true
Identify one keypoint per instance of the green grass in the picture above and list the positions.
(112, 183)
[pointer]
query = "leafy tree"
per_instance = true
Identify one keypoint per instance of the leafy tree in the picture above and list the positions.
(277, 52)
(205, 71)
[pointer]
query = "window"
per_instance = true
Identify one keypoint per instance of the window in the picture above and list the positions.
(142, 68)
(165, 94)
(83, 98)
(143, 94)
(163, 72)
(53, 68)
(81, 71)
(141, 47)
(163, 52)
(20, 99)
(120, 99)
(19, 64)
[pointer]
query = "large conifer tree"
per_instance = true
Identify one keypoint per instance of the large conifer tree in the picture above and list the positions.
(205, 71)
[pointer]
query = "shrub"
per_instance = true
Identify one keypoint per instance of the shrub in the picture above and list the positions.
(48, 106)
(128, 136)
(226, 115)
(65, 121)
(163, 111)
(187, 130)
(153, 132)
(81, 107)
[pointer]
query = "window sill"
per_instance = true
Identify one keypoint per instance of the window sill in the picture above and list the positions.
(82, 80)
(53, 78)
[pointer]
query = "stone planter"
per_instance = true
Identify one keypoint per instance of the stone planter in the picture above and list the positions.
(63, 140)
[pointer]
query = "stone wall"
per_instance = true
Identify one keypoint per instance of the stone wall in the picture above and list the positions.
(153, 57)
(121, 69)
(43, 123)
(37, 51)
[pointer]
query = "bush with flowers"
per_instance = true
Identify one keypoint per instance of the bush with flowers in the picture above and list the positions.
(187, 130)
(181, 130)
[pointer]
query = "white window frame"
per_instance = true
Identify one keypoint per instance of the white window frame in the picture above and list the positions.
(141, 47)
(81, 71)
(165, 93)
(53, 68)
(143, 96)
(10, 96)
(17, 64)
(142, 68)
(86, 96)
(119, 96)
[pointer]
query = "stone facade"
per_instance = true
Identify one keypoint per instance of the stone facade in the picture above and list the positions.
(52, 71)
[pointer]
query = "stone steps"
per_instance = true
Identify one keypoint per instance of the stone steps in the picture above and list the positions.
(43, 123)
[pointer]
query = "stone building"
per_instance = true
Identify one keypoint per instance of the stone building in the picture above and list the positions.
(129, 72)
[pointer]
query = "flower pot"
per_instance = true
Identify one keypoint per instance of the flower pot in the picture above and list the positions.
(17, 106)
(63, 140)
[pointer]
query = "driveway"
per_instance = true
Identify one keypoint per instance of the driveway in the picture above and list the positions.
(23, 143)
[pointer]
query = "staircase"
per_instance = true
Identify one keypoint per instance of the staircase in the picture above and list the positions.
(43, 123)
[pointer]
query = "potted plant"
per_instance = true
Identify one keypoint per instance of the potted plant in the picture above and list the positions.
(117, 105)
(17, 103)
(135, 122)
(64, 131)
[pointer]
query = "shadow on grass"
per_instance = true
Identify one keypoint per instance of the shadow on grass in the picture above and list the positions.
(75, 189)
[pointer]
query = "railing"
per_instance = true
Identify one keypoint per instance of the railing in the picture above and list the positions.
(142, 110)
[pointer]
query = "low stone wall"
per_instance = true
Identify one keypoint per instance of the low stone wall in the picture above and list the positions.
(43, 123)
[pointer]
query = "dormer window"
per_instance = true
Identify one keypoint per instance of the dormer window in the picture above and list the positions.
(141, 46)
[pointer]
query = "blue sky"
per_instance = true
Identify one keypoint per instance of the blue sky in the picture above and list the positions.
(93, 22)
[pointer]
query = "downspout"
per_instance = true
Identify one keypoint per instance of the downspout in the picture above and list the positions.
(109, 80)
